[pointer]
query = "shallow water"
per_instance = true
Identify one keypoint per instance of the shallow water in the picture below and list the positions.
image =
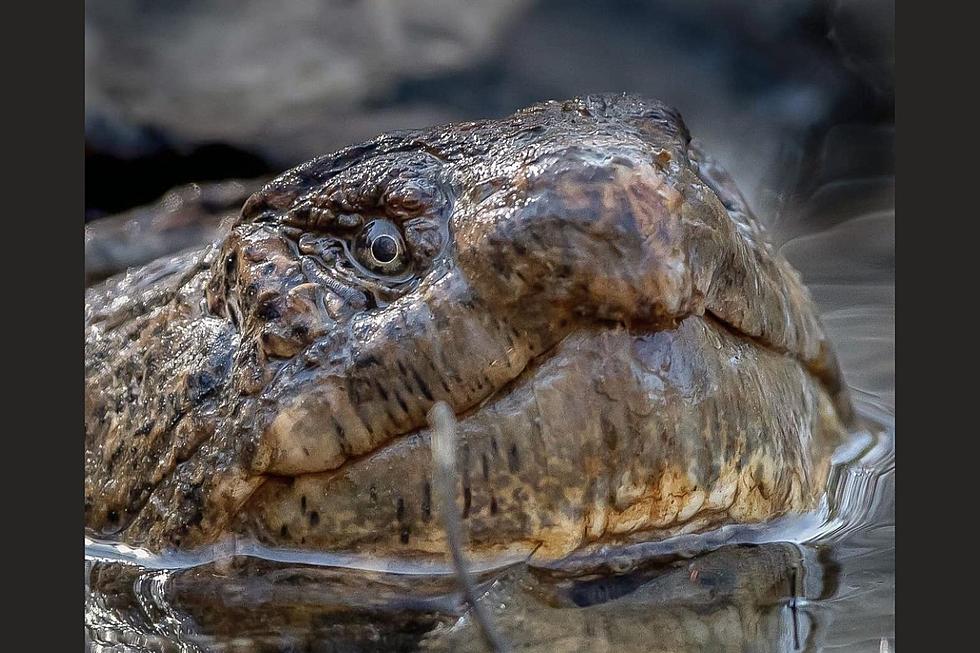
(820, 582)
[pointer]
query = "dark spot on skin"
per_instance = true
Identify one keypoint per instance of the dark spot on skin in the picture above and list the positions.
(267, 311)
(196, 518)
(284, 531)
(498, 264)
(301, 331)
(404, 535)
(609, 435)
(373, 493)
(114, 458)
(513, 461)
(299, 215)
(467, 502)
(200, 386)
(400, 511)
(354, 388)
(230, 263)
(493, 505)
(401, 402)
(366, 360)
(341, 437)
(423, 386)
(314, 518)
(485, 466)
(427, 502)
(394, 420)
(302, 504)
(381, 391)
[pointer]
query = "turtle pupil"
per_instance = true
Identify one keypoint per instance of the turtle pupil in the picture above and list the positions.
(384, 249)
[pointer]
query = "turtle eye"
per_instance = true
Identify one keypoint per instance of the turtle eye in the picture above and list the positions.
(381, 249)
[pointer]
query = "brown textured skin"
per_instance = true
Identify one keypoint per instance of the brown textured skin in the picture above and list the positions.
(627, 356)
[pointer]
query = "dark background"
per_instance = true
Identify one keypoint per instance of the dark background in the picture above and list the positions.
(212, 89)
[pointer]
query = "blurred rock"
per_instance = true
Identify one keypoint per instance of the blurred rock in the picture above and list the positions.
(284, 82)
(186, 217)
(283, 79)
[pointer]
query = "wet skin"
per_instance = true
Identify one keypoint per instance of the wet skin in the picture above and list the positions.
(627, 356)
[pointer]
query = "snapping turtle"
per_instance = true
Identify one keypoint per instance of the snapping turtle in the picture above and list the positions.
(627, 356)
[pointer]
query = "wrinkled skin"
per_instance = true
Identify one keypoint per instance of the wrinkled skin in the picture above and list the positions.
(627, 357)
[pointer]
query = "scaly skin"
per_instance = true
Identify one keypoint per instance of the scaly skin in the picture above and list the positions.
(627, 356)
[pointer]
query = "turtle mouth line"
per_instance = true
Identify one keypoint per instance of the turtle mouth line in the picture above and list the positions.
(522, 377)
(527, 372)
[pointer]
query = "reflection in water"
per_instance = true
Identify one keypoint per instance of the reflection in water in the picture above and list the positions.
(739, 597)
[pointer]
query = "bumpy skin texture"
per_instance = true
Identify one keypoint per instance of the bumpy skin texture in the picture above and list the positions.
(626, 354)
